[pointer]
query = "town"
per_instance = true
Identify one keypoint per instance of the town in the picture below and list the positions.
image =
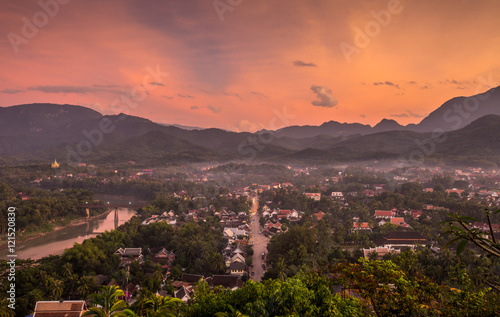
(230, 224)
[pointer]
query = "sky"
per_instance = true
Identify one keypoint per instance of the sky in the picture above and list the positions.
(247, 65)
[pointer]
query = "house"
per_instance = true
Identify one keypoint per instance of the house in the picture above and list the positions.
(319, 215)
(235, 258)
(381, 251)
(232, 282)
(387, 214)
(337, 195)
(183, 294)
(364, 226)
(237, 268)
(129, 255)
(454, 190)
(191, 278)
(401, 239)
(314, 196)
(398, 221)
(416, 213)
(70, 308)
(162, 255)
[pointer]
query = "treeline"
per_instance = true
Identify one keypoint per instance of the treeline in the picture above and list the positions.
(42, 209)
(308, 249)
(197, 248)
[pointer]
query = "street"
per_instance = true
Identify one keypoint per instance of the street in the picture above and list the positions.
(259, 243)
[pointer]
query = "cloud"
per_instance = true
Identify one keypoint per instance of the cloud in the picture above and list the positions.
(303, 64)
(168, 97)
(401, 115)
(184, 96)
(12, 91)
(245, 125)
(461, 84)
(415, 115)
(362, 116)
(325, 98)
(407, 114)
(387, 83)
(233, 94)
(154, 83)
(78, 89)
(214, 109)
(195, 107)
(412, 82)
(259, 94)
(425, 87)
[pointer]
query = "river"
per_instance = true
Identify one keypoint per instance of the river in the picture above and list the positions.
(56, 242)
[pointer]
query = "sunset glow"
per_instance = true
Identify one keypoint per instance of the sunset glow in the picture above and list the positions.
(234, 69)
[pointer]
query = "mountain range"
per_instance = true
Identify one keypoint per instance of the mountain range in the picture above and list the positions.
(454, 114)
(464, 130)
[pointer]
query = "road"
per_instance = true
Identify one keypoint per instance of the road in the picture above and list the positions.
(259, 242)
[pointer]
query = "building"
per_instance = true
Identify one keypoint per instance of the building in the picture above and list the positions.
(401, 239)
(70, 308)
(314, 196)
(55, 164)
(381, 251)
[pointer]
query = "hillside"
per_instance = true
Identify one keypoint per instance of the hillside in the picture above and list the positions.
(50, 131)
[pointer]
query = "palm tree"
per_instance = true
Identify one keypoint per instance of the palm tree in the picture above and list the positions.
(85, 285)
(156, 306)
(4, 308)
(233, 313)
(280, 268)
(57, 289)
(106, 302)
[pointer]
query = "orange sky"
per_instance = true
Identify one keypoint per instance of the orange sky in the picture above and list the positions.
(263, 58)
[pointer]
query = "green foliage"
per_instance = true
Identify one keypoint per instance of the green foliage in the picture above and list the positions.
(106, 302)
(302, 295)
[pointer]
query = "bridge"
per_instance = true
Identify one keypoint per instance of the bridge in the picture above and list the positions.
(111, 206)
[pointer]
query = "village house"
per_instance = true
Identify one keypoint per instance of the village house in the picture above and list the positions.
(314, 196)
(401, 239)
(72, 308)
(380, 251)
(387, 214)
(129, 255)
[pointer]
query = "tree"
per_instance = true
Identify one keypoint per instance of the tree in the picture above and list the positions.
(156, 306)
(4, 308)
(86, 285)
(106, 302)
(232, 313)
(460, 227)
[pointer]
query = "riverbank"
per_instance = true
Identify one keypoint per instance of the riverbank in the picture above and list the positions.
(35, 235)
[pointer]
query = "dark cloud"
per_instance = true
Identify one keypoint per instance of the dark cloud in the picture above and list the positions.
(259, 94)
(461, 84)
(401, 115)
(387, 83)
(233, 94)
(362, 116)
(425, 87)
(303, 64)
(412, 82)
(195, 107)
(78, 89)
(168, 97)
(407, 114)
(214, 109)
(184, 96)
(325, 97)
(154, 83)
(12, 91)
(415, 115)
